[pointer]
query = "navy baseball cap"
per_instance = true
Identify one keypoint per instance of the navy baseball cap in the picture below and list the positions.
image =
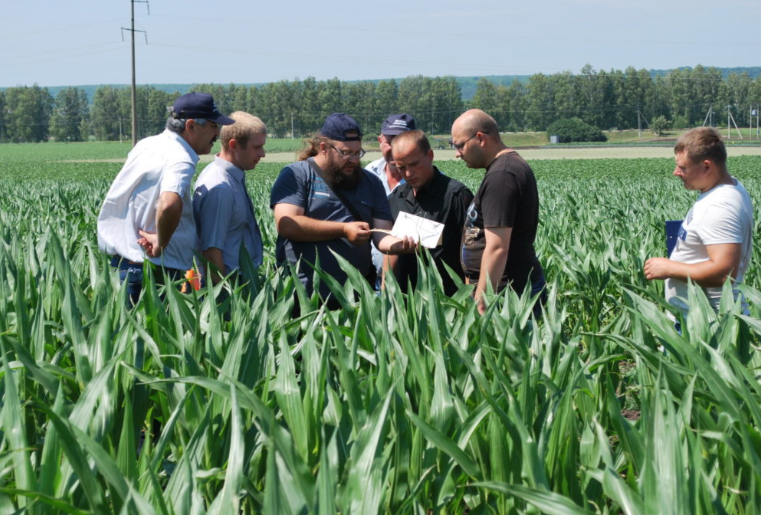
(396, 124)
(337, 125)
(199, 105)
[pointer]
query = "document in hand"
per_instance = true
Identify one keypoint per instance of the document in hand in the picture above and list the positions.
(426, 232)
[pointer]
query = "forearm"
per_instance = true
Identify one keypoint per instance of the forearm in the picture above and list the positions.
(389, 263)
(706, 273)
(388, 244)
(493, 264)
(303, 228)
(168, 214)
(214, 257)
(389, 267)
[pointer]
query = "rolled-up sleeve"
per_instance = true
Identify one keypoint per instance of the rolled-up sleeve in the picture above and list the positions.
(177, 178)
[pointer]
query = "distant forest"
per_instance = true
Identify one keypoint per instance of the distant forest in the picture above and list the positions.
(615, 99)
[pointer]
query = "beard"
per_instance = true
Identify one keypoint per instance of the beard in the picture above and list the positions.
(337, 178)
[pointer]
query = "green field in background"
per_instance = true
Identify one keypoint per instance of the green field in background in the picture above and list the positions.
(405, 404)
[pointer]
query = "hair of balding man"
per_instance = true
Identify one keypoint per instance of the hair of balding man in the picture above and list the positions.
(475, 120)
(417, 138)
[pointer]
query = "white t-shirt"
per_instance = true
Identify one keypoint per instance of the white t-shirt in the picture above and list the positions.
(164, 162)
(723, 214)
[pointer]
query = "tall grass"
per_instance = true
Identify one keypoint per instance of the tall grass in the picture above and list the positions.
(394, 404)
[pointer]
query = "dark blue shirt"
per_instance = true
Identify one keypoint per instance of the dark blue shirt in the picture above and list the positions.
(300, 185)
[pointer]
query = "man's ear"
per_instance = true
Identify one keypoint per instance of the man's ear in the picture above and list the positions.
(233, 144)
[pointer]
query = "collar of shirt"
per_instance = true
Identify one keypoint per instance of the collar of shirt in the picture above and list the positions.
(179, 139)
(234, 172)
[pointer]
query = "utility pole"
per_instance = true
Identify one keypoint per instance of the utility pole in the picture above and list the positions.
(729, 120)
(134, 87)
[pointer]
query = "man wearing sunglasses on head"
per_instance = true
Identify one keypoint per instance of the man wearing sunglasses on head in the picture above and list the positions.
(501, 222)
(326, 203)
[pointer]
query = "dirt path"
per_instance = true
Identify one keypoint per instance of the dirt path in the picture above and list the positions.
(548, 153)
(530, 154)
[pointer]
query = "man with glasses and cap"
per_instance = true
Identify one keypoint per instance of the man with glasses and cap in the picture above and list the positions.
(386, 171)
(148, 210)
(501, 222)
(326, 202)
(384, 167)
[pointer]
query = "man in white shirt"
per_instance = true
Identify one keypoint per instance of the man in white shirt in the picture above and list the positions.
(148, 211)
(385, 169)
(223, 210)
(715, 241)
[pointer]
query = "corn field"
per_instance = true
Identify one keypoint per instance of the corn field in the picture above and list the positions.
(398, 403)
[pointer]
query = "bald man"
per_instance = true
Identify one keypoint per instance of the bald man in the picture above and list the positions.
(500, 226)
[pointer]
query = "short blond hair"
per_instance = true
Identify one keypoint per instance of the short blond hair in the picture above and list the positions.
(245, 126)
(702, 143)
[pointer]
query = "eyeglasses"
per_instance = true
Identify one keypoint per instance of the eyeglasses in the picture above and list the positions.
(459, 146)
(348, 154)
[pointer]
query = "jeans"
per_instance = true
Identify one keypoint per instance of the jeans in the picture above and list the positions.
(539, 285)
(132, 273)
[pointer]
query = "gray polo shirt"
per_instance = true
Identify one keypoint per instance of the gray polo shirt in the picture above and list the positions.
(224, 214)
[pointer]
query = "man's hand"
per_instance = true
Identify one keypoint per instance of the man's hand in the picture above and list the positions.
(722, 263)
(150, 243)
(406, 245)
(481, 304)
(657, 268)
(358, 233)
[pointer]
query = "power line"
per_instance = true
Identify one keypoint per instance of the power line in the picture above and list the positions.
(134, 86)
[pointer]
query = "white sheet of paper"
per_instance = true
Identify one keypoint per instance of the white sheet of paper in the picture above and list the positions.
(426, 232)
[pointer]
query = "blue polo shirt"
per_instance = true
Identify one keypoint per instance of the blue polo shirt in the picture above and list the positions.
(224, 214)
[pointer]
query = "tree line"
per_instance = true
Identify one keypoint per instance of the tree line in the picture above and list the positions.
(612, 99)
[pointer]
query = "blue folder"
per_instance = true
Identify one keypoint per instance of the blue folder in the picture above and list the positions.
(672, 233)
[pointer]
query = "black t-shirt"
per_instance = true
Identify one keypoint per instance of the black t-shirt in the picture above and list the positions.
(443, 200)
(507, 197)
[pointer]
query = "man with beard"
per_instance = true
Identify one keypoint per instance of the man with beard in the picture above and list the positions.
(326, 202)
(148, 211)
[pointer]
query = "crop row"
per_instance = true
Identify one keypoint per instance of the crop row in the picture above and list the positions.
(395, 403)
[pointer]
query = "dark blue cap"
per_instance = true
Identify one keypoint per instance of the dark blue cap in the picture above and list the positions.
(396, 124)
(199, 105)
(337, 125)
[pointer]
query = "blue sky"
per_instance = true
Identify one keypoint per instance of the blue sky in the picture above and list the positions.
(78, 42)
